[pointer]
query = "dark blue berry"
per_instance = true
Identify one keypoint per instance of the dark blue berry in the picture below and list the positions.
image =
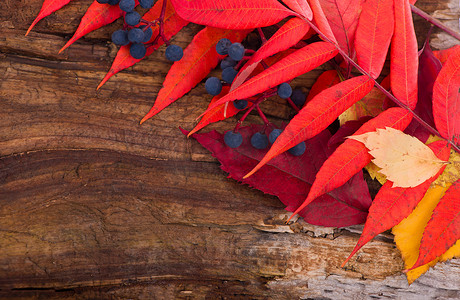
(136, 35)
(274, 135)
(132, 18)
(174, 53)
(103, 1)
(222, 46)
(240, 104)
(259, 141)
(147, 33)
(284, 90)
(213, 86)
(298, 97)
(233, 139)
(236, 51)
(228, 74)
(137, 51)
(146, 3)
(127, 5)
(227, 62)
(120, 37)
(298, 149)
(113, 2)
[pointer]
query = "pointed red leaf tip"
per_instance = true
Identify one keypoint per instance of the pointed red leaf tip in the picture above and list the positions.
(301, 7)
(95, 17)
(443, 55)
(352, 156)
(287, 36)
(443, 229)
(320, 19)
(290, 177)
(319, 113)
(324, 81)
(404, 58)
(343, 17)
(234, 14)
(200, 57)
(446, 102)
(393, 204)
(293, 65)
(373, 35)
(48, 7)
(172, 25)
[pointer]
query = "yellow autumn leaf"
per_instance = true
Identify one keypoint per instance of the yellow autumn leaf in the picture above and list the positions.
(403, 159)
(408, 233)
(374, 172)
(370, 105)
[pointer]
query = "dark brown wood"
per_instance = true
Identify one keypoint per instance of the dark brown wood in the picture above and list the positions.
(93, 205)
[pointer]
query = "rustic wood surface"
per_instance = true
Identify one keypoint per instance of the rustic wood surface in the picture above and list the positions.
(93, 205)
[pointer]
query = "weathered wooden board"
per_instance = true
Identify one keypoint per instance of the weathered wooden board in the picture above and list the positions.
(93, 205)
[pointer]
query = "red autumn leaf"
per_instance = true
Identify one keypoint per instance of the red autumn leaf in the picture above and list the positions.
(443, 55)
(219, 113)
(428, 70)
(200, 57)
(96, 16)
(319, 113)
(301, 7)
(443, 229)
(287, 36)
(404, 58)
(393, 204)
(373, 35)
(48, 7)
(324, 81)
(343, 18)
(293, 65)
(446, 103)
(352, 156)
(172, 25)
(320, 19)
(347, 129)
(235, 14)
(289, 177)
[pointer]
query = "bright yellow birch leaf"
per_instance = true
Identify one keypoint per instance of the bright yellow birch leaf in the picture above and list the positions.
(409, 232)
(403, 159)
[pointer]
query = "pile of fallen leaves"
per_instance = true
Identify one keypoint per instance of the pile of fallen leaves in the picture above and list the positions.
(403, 128)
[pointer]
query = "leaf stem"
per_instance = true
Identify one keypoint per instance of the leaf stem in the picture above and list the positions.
(435, 22)
(387, 93)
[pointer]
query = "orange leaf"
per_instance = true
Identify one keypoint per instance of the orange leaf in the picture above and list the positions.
(236, 14)
(48, 7)
(301, 7)
(319, 113)
(172, 25)
(373, 35)
(293, 65)
(95, 17)
(443, 55)
(443, 229)
(352, 156)
(392, 204)
(200, 57)
(446, 103)
(404, 56)
(287, 36)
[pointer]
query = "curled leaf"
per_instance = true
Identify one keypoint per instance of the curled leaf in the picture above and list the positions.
(403, 159)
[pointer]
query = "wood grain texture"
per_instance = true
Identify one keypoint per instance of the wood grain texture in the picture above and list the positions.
(94, 206)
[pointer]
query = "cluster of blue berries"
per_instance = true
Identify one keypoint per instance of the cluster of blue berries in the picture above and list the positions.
(235, 52)
(140, 35)
(260, 141)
